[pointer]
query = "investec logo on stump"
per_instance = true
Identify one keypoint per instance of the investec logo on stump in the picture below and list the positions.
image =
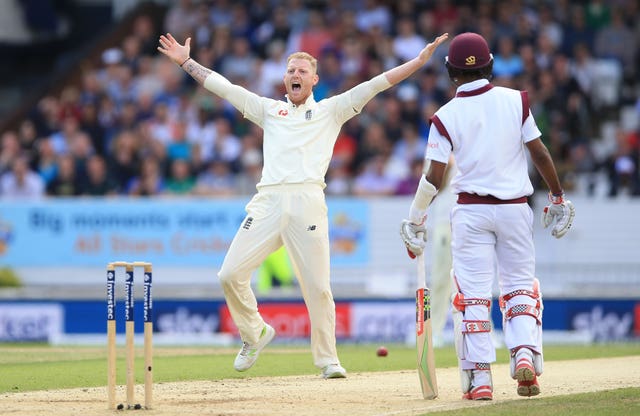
(111, 287)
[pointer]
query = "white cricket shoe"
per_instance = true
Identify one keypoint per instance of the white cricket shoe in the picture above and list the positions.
(248, 355)
(334, 371)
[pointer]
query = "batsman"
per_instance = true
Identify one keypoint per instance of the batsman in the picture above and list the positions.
(487, 129)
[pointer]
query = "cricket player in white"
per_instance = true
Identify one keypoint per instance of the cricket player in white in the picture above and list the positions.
(487, 129)
(289, 207)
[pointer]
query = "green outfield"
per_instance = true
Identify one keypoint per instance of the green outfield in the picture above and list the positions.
(42, 367)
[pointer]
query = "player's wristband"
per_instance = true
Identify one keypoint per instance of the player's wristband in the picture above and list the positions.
(556, 198)
(185, 61)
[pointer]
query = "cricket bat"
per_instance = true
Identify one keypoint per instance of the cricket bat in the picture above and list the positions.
(424, 342)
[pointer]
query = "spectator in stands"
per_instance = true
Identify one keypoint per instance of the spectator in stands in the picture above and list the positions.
(182, 16)
(150, 181)
(179, 147)
(407, 43)
(28, 138)
(90, 124)
(274, 30)
(617, 41)
(249, 176)
(374, 14)
(409, 185)
(61, 139)
(46, 162)
(240, 64)
(411, 146)
(315, 37)
(374, 142)
(339, 179)
(622, 167)
(124, 89)
(123, 160)
(66, 182)
(507, 63)
(98, 181)
(21, 182)
(216, 180)
(372, 180)
(9, 150)
(576, 31)
(227, 146)
(180, 180)
(269, 83)
(144, 29)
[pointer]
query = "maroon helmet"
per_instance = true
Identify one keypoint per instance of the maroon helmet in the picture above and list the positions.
(469, 51)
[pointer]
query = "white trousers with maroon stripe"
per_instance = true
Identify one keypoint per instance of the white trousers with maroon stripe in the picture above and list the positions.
(294, 215)
(486, 238)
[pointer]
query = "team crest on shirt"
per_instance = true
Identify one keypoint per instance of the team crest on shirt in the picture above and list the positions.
(283, 113)
(308, 115)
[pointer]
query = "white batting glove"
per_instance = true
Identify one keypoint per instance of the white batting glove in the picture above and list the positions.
(561, 211)
(414, 237)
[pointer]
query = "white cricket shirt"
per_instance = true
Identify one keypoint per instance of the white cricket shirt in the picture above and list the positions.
(486, 128)
(298, 140)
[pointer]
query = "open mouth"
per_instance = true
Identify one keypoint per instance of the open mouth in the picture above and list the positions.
(295, 87)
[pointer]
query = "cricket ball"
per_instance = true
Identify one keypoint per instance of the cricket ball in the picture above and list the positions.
(382, 351)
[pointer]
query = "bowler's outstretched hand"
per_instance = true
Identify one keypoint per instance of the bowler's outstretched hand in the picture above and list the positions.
(170, 47)
(428, 50)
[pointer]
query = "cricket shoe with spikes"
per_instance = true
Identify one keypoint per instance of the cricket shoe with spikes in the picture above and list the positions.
(527, 380)
(525, 374)
(477, 384)
(479, 393)
(248, 355)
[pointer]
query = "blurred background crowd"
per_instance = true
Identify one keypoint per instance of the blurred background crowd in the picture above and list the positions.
(130, 122)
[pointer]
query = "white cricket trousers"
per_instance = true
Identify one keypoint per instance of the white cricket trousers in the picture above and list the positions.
(294, 215)
(483, 234)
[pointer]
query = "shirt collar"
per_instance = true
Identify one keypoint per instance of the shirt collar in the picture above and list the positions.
(476, 87)
(309, 102)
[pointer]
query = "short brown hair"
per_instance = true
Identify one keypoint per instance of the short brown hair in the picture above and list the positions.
(304, 55)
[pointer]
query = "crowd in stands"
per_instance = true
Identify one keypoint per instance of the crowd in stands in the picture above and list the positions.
(137, 125)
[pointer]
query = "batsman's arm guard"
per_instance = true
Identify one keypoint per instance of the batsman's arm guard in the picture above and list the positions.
(413, 230)
(423, 197)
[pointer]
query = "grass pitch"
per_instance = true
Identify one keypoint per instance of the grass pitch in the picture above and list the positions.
(42, 367)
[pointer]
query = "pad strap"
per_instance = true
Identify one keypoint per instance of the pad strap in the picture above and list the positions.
(521, 292)
(483, 366)
(533, 294)
(460, 303)
(471, 327)
(518, 310)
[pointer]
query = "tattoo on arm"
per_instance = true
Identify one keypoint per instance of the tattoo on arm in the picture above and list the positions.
(197, 71)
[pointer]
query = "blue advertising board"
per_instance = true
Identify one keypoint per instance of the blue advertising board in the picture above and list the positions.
(356, 320)
(193, 232)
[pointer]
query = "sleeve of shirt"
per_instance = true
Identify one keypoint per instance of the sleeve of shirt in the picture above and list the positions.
(438, 146)
(351, 102)
(248, 103)
(530, 130)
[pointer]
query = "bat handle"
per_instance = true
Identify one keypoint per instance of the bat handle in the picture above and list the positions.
(421, 273)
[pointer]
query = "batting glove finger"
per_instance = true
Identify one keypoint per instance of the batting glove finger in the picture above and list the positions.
(565, 220)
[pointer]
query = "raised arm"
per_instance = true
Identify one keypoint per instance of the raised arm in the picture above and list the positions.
(179, 54)
(245, 101)
(405, 70)
(360, 95)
